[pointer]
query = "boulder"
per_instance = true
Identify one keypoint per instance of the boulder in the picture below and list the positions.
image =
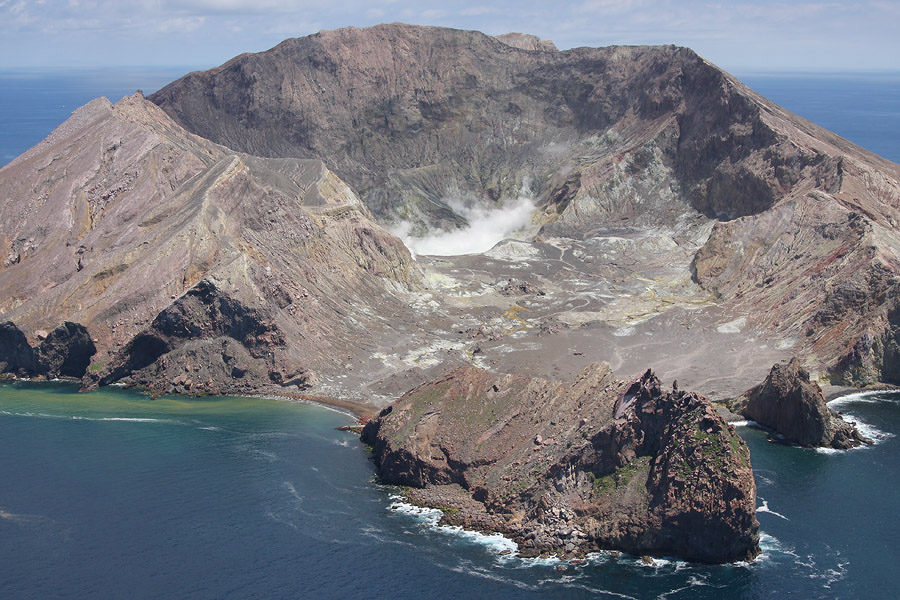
(788, 403)
(66, 352)
(16, 354)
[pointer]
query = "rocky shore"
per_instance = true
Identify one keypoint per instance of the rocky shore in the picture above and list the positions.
(571, 468)
(788, 403)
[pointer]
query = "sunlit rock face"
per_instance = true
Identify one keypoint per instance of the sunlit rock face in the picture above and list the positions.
(777, 221)
(193, 268)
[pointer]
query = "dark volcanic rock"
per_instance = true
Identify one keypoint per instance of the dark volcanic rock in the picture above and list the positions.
(518, 287)
(204, 342)
(570, 468)
(66, 352)
(793, 406)
(16, 354)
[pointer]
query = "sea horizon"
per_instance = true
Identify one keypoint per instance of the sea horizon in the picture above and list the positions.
(34, 101)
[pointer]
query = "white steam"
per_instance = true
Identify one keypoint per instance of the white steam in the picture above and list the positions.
(487, 227)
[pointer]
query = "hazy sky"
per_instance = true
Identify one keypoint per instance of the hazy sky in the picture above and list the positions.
(739, 36)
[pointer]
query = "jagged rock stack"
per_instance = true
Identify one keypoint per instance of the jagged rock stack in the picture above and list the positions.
(788, 403)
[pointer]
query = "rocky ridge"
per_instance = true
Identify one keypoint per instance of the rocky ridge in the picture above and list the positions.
(574, 467)
(784, 224)
(788, 403)
(174, 253)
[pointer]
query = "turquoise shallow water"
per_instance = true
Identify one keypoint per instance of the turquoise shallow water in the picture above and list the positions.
(114, 495)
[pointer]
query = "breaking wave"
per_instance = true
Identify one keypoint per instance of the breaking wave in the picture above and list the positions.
(39, 415)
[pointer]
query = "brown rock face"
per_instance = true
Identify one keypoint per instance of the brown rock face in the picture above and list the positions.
(175, 252)
(795, 228)
(424, 114)
(524, 41)
(793, 406)
(595, 464)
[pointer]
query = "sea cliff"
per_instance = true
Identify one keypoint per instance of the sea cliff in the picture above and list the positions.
(569, 468)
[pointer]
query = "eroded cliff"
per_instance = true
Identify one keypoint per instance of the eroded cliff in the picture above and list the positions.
(573, 467)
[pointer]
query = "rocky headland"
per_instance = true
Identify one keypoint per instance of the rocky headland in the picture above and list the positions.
(788, 403)
(569, 468)
(193, 268)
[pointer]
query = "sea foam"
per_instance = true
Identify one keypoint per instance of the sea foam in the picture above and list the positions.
(431, 517)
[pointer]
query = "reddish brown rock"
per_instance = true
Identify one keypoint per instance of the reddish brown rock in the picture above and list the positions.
(630, 467)
(790, 404)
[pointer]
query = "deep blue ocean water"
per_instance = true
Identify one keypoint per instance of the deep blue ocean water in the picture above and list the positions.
(861, 107)
(33, 103)
(113, 495)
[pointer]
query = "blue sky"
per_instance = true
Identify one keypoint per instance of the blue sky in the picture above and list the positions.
(739, 36)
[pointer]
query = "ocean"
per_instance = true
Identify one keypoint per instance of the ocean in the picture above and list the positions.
(114, 495)
(33, 103)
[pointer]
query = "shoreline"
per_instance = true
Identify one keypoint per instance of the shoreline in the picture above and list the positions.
(361, 413)
(356, 411)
